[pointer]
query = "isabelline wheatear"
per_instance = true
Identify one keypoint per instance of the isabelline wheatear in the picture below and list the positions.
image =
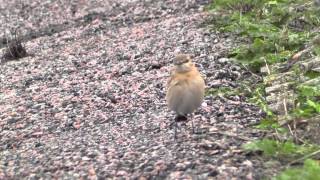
(185, 88)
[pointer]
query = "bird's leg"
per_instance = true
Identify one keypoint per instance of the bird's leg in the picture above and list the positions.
(176, 119)
(175, 129)
(192, 124)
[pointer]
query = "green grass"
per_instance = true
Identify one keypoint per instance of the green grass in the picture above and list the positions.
(310, 171)
(277, 149)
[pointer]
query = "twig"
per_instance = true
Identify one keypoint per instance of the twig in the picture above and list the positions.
(278, 136)
(285, 106)
(269, 72)
(255, 75)
(295, 58)
(295, 132)
(303, 158)
(291, 132)
(240, 18)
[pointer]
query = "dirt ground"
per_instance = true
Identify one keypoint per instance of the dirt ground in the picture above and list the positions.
(88, 101)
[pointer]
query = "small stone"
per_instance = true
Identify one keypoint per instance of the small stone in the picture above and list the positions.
(122, 173)
(92, 171)
(85, 158)
(247, 163)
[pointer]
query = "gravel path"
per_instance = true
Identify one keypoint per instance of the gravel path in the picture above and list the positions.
(89, 100)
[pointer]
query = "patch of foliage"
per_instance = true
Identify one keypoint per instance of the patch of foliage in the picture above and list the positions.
(276, 29)
(312, 74)
(270, 124)
(258, 95)
(310, 171)
(308, 101)
(273, 148)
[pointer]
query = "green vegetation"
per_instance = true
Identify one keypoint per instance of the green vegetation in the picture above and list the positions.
(277, 149)
(270, 124)
(223, 91)
(310, 171)
(272, 27)
(275, 32)
(257, 97)
(308, 101)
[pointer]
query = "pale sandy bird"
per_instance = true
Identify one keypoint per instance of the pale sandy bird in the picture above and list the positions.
(185, 88)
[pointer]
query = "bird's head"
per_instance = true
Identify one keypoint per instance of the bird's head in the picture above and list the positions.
(183, 63)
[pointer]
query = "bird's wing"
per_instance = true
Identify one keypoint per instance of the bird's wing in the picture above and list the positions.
(172, 80)
(174, 97)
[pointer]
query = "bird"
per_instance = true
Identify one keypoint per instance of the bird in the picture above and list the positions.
(185, 88)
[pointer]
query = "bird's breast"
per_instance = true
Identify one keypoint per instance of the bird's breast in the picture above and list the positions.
(186, 95)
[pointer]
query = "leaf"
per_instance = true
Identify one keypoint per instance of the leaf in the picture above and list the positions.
(309, 91)
(272, 3)
(315, 105)
(267, 124)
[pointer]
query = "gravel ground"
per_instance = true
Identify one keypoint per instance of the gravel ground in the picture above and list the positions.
(89, 100)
